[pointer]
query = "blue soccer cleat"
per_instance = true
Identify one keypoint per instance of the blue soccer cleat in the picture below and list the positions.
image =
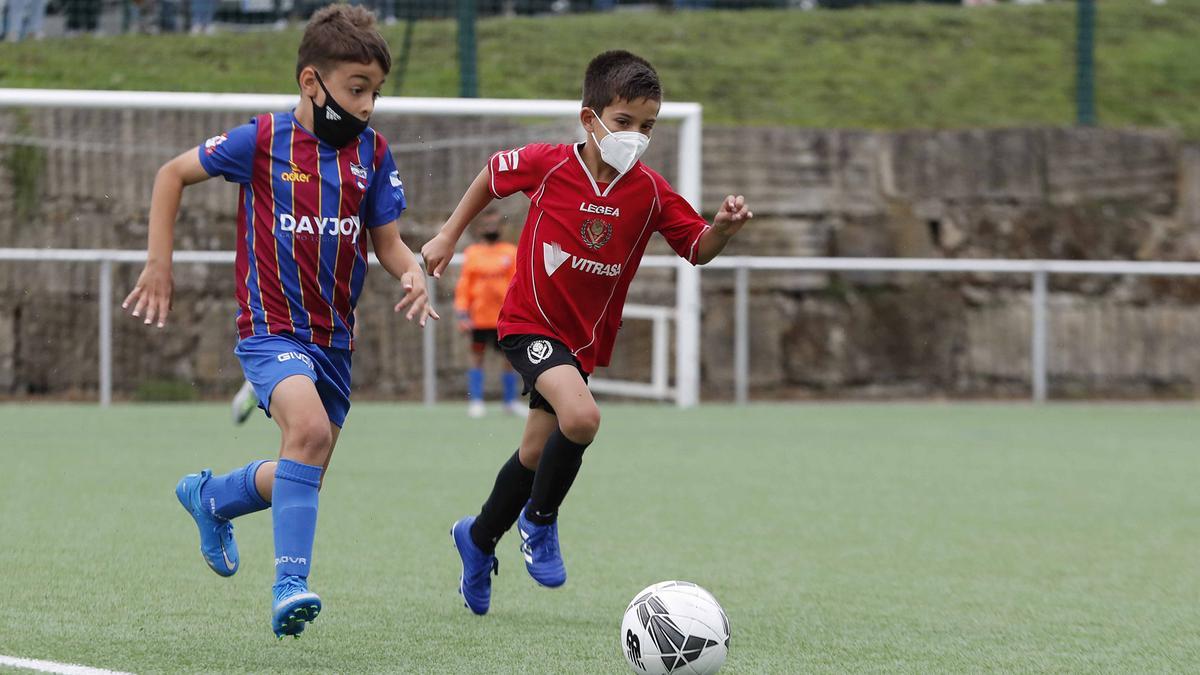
(475, 583)
(539, 544)
(295, 606)
(216, 534)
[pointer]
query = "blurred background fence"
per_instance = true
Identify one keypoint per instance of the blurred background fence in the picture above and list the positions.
(888, 131)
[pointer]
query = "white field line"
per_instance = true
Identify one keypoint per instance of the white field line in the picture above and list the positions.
(54, 667)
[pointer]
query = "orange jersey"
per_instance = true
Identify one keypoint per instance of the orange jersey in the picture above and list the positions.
(486, 273)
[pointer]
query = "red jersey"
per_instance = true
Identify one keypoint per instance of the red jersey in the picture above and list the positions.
(582, 244)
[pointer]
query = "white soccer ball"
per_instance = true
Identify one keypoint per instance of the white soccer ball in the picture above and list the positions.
(675, 627)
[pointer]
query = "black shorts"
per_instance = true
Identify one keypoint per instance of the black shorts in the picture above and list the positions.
(532, 355)
(482, 338)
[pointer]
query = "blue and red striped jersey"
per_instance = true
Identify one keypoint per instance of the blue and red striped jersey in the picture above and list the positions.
(301, 248)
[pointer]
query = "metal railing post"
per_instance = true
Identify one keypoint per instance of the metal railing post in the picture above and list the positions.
(687, 277)
(659, 376)
(106, 301)
(741, 335)
(429, 350)
(1038, 339)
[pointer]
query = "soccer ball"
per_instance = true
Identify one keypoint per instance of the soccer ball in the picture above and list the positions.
(675, 627)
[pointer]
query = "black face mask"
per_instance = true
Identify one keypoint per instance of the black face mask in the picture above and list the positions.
(332, 123)
(491, 237)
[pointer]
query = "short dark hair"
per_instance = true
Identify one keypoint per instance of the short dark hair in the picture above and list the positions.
(619, 74)
(342, 34)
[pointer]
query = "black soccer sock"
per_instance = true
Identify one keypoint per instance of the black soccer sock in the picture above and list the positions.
(561, 459)
(502, 507)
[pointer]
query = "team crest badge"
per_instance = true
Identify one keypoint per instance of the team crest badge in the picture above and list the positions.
(539, 351)
(596, 233)
(359, 171)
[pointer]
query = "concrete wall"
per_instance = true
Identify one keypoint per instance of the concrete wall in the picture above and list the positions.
(1023, 193)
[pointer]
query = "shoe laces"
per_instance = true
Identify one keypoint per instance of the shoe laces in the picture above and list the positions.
(544, 539)
(551, 542)
(224, 530)
(288, 586)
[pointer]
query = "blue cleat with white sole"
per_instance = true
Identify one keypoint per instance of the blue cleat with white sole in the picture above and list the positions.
(539, 545)
(475, 583)
(216, 534)
(294, 607)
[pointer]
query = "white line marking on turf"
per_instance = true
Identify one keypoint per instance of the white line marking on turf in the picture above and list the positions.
(54, 667)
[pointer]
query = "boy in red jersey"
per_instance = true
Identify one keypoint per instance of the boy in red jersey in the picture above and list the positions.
(312, 180)
(593, 207)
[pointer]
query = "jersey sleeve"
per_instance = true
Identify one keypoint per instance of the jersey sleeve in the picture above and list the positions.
(231, 154)
(679, 223)
(519, 170)
(385, 194)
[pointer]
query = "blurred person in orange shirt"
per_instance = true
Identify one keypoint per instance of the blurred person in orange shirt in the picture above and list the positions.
(488, 267)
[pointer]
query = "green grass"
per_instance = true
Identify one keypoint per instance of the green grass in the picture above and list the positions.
(839, 538)
(888, 68)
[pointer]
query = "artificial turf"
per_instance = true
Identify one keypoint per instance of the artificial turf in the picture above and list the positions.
(839, 538)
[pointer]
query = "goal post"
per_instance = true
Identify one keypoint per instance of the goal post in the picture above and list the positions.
(685, 313)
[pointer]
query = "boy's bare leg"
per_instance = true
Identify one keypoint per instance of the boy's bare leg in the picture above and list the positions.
(264, 477)
(538, 427)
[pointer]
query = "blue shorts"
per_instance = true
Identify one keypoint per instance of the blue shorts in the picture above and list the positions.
(269, 359)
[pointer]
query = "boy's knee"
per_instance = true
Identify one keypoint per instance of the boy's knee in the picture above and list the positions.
(530, 456)
(581, 424)
(309, 442)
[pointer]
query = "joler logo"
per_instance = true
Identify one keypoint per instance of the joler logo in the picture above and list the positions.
(554, 257)
(295, 176)
(351, 226)
(539, 351)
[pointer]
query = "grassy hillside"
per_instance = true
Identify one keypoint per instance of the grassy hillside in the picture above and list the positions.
(895, 67)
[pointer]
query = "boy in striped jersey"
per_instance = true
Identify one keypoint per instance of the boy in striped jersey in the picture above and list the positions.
(316, 183)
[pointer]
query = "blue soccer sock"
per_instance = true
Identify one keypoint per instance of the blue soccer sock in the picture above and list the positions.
(234, 494)
(475, 384)
(294, 515)
(509, 379)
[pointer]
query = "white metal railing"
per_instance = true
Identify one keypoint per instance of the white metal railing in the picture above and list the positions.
(688, 181)
(1039, 270)
(658, 387)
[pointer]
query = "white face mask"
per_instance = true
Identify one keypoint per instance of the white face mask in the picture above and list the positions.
(621, 149)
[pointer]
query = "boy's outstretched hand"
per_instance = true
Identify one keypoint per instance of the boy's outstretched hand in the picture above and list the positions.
(437, 253)
(416, 298)
(152, 294)
(733, 215)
